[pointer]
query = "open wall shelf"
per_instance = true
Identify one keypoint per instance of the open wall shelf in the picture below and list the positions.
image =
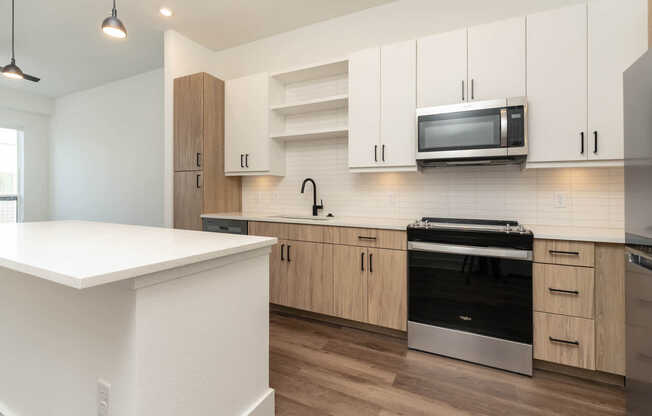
(310, 103)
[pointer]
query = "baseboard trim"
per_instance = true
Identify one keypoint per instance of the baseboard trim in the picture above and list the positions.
(265, 405)
(334, 320)
(597, 376)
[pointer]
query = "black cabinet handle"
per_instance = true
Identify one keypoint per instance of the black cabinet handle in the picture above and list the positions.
(361, 237)
(241, 160)
(246, 160)
(565, 292)
(289, 259)
(463, 97)
(472, 89)
(563, 253)
(383, 153)
(563, 341)
(282, 248)
(371, 263)
(375, 153)
(197, 181)
(362, 261)
(582, 143)
(198, 160)
(595, 141)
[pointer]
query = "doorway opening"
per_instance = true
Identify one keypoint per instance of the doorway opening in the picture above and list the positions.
(9, 175)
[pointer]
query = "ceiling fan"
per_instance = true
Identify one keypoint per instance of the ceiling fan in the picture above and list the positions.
(12, 70)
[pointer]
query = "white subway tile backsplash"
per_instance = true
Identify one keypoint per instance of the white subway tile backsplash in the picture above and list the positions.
(594, 196)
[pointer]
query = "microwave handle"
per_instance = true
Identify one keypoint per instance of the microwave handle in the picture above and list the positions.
(503, 127)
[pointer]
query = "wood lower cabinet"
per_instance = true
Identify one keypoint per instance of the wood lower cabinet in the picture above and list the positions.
(188, 200)
(309, 276)
(387, 289)
(565, 340)
(278, 282)
(310, 269)
(350, 282)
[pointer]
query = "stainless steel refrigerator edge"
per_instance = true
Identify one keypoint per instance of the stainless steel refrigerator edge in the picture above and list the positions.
(638, 227)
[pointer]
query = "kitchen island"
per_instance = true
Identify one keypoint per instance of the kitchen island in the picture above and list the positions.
(134, 320)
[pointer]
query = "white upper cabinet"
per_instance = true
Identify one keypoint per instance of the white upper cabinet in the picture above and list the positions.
(557, 85)
(442, 69)
(398, 104)
(617, 38)
(248, 148)
(497, 59)
(364, 108)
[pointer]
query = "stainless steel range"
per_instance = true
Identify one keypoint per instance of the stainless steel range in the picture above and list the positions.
(470, 291)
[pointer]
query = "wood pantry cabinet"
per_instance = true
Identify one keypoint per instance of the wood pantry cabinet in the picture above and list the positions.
(352, 273)
(199, 182)
(579, 304)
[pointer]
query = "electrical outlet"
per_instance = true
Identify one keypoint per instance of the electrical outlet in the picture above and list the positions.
(103, 397)
(560, 199)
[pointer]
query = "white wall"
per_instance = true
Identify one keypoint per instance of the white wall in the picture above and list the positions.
(181, 57)
(106, 153)
(30, 114)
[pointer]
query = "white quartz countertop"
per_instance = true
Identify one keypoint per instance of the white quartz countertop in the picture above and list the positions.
(84, 254)
(594, 234)
(553, 232)
(357, 222)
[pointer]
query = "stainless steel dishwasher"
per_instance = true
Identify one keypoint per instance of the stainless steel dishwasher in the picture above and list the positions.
(218, 225)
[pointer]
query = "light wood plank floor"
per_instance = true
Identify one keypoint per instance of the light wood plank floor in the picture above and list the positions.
(323, 369)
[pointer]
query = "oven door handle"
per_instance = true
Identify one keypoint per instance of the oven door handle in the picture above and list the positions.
(499, 252)
(503, 127)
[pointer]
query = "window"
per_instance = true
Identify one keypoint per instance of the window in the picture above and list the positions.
(8, 175)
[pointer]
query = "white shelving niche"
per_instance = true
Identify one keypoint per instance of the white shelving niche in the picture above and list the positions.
(310, 103)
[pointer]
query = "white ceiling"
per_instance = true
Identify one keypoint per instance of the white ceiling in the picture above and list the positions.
(61, 42)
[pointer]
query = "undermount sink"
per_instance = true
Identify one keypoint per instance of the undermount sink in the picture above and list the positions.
(302, 217)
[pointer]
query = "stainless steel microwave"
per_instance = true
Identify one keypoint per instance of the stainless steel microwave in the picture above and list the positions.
(482, 132)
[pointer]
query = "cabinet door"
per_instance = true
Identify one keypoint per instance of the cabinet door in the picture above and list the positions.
(387, 288)
(497, 59)
(247, 142)
(350, 282)
(188, 128)
(617, 38)
(364, 108)
(398, 98)
(278, 272)
(557, 84)
(310, 276)
(188, 200)
(442, 69)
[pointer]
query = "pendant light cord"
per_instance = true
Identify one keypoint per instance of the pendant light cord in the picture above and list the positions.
(13, 53)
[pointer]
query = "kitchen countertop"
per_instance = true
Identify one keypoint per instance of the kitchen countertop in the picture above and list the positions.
(553, 232)
(399, 224)
(83, 254)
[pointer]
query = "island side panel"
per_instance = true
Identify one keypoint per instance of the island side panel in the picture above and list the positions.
(203, 342)
(56, 342)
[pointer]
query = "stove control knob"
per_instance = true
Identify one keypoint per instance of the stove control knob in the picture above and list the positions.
(508, 228)
(521, 229)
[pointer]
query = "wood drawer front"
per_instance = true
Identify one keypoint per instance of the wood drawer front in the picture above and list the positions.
(571, 253)
(564, 290)
(551, 330)
(367, 237)
(268, 229)
(310, 233)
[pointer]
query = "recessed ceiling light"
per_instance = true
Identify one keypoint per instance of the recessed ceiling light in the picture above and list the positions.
(166, 12)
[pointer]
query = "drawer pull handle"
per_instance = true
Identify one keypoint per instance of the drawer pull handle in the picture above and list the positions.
(366, 238)
(564, 292)
(644, 357)
(282, 248)
(645, 302)
(362, 262)
(563, 341)
(563, 253)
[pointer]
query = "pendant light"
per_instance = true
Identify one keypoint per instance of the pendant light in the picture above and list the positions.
(112, 26)
(12, 70)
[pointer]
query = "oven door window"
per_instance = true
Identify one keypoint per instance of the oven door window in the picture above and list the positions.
(478, 129)
(482, 295)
